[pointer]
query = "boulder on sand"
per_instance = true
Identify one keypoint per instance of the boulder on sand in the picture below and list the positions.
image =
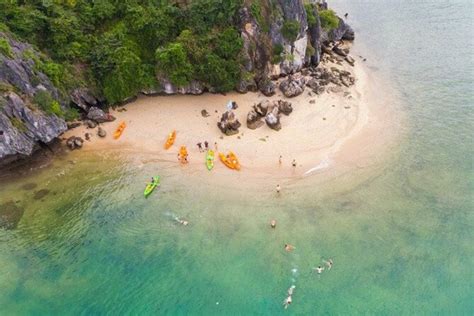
(273, 118)
(228, 123)
(74, 142)
(284, 107)
(99, 116)
(254, 119)
(267, 87)
(101, 132)
(292, 86)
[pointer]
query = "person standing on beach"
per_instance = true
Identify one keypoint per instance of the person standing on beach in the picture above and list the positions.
(293, 163)
(215, 145)
(199, 146)
(278, 188)
(280, 160)
(206, 145)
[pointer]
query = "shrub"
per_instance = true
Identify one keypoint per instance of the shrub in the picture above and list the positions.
(5, 48)
(71, 114)
(310, 16)
(329, 20)
(276, 55)
(46, 103)
(290, 30)
(18, 124)
(173, 61)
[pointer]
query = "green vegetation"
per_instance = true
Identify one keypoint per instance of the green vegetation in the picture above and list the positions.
(310, 16)
(5, 48)
(329, 20)
(18, 124)
(290, 30)
(71, 114)
(277, 51)
(46, 103)
(120, 47)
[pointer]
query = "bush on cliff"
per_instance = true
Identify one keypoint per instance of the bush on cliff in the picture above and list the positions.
(290, 30)
(329, 19)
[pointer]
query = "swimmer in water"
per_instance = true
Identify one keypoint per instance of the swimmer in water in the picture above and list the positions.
(289, 247)
(287, 301)
(181, 221)
(319, 269)
(273, 223)
(328, 263)
(291, 289)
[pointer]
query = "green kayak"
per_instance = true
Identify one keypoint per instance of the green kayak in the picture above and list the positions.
(151, 186)
(210, 159)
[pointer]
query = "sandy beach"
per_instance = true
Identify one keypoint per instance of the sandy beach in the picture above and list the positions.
(324, 132)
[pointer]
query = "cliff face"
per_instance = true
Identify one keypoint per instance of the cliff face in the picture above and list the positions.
(22, 124)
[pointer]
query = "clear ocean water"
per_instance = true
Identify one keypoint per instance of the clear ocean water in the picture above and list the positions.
(400, 234)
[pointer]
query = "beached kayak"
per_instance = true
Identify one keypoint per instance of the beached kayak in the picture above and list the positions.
(230, 160)
(210, 159)
(151, 186)
(170, 141)
(119, 130)
(183, 155)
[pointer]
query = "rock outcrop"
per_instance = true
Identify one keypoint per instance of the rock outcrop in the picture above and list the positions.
(229, 124)
(293, 86)
(97, 115)
(269, 111)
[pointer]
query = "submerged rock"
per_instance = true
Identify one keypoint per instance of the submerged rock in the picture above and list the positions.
(10, 215)
(41, 194)
(29, 186)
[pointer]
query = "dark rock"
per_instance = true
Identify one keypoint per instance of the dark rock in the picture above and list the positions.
(204, 113)
(87, 136)
(10, 215)
(285, 107)
(262, 107)
(312, 101)
(340, 51)
(72, 125)
(267, 87)
(29, 186)
(228, 123)
(350, 60)
(74, 142)
(101, 132)
(99, 116)
(254, 120)
(83, 99)
(90, 124)
(273, 118)
(245, 86)
(41, 194)
(312, 84)
(292, 86)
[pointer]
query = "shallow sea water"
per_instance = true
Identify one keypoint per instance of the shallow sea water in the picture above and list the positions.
(400, 233)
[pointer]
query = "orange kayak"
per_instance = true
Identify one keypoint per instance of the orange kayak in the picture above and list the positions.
(230, 160)
(119, 130)
(183, 154)
(170, 140)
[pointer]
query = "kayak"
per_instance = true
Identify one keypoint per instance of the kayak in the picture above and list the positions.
(170, 140)
(183, 155)
(151, 186)
(230, 160)
(119, 130)
(210, 159)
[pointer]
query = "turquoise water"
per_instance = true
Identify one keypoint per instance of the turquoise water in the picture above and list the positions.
(400, 233)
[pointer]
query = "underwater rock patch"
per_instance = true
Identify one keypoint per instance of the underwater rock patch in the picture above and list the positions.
(10, 215)
(41, 194)
(29, 186)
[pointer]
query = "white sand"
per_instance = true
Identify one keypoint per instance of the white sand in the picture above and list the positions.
(336, 130)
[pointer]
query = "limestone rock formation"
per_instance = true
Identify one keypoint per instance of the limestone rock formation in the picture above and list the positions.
(293, 86)
(229, 124)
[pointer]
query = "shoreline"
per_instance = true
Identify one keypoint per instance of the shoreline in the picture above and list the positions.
(329, 130)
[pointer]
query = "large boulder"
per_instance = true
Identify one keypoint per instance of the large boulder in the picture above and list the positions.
(99, 116)
(83, 99)
(262, 107)
(254, 120)
(273, 118)
(229, 124)
(74, 142)
(267, 87)
(285, 107)
(292, 86)
(245, 86)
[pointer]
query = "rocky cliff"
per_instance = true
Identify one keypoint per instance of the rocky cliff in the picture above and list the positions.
(23, 124)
